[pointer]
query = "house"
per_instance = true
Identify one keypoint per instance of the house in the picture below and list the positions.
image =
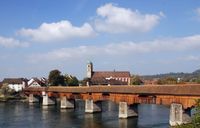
(17, 84)
(44, 81)
(107, 77)
(35, 82)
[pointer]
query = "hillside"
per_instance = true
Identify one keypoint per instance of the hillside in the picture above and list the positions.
(184, 76)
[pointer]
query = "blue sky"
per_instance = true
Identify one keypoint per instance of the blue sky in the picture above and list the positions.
(143, 37)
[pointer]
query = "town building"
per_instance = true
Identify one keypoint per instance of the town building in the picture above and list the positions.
(17, 84)
(107, 77)
(35, 82)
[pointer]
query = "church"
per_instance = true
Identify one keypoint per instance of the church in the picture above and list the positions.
(107, 77)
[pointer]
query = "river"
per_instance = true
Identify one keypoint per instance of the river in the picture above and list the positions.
(25, 115)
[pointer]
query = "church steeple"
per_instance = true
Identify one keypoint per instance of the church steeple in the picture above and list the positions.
(89, 69)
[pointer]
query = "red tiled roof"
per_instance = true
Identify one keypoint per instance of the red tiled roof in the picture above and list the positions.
(107, 74)
(105, 77)
(184, 90)
(41, 82)
(14, 80)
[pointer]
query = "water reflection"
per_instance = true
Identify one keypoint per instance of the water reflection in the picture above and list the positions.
(153, 116)
(22, 115)
(88, 122)
(128, 123)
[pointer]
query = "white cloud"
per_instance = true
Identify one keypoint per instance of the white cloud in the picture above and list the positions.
(11, 42)
(127, 49)
(66, 53)
(114, 19)
(198, 12)
(191, 58)
(111, 18)
(59, 31)
(159, 45)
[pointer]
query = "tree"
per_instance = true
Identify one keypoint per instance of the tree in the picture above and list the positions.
(167, 80)
(195, 120)
(197, 80)
(71, 80)
(6, 91)
(135, 80)
(85, 81)
(55, 78)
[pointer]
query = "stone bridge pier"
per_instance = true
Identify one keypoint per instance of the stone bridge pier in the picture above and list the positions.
(47, 100)
(91, 106)
(65, 103)
(178, 116)
(126, 111)
(33, 99)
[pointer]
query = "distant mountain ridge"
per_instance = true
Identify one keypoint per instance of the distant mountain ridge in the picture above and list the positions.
(185, 76)
(197, 72)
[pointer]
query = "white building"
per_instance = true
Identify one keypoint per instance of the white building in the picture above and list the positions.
(17, 84)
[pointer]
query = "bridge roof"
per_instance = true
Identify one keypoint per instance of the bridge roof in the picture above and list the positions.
(187, 90)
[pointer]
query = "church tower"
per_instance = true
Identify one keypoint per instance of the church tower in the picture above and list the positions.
(89, 69)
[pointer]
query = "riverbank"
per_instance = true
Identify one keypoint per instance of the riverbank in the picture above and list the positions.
(12, 98)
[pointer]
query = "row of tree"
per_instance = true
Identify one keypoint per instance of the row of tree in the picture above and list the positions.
(137, 80)
(167, 80)
(184, 77)
(57, 79)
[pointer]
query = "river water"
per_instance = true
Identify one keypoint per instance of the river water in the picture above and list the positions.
(25, 115)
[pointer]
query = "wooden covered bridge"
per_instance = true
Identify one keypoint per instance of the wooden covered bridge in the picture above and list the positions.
(179, 97)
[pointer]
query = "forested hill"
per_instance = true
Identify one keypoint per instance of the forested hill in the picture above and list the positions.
(185, 76)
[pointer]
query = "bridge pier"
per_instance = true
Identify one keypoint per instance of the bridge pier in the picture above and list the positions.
(125, 111)
(32, 99)
(177, 115)
(47, 100)
(65, 103)
(91, 106)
